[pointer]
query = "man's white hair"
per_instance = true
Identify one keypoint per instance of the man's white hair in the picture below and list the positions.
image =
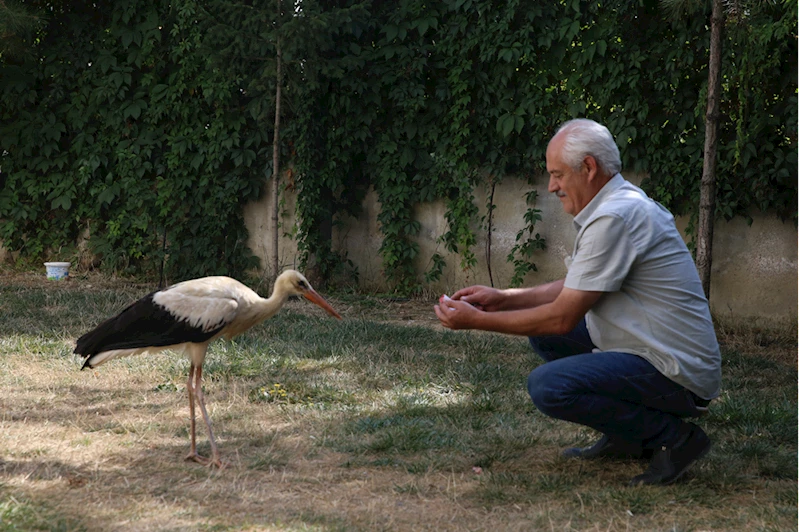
(584, 137)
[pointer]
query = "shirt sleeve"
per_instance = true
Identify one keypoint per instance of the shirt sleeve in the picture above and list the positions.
(603, 256)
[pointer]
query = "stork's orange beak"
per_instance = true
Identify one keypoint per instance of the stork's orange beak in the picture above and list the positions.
(312, 296)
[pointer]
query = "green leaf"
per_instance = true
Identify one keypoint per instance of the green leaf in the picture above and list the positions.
(127, 38)
(63, 202)
(506, 123)
(423, 26)
(518, 123)
(134, 109)
(106, 196)
(197, 160)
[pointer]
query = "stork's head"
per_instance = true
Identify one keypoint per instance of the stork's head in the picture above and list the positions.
(294, 283)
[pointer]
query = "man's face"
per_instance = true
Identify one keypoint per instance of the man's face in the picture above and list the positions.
(569, 185)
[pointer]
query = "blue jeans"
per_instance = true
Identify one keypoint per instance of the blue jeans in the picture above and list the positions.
(618, 394)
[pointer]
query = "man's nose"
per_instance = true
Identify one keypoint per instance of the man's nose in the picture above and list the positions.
(552, 187)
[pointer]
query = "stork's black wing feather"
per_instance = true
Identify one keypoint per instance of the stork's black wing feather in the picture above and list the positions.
(142, 324)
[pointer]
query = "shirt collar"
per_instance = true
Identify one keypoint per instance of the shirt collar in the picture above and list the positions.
(584, 215)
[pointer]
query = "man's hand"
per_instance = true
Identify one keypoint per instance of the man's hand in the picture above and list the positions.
(454, 314)
(482, 297)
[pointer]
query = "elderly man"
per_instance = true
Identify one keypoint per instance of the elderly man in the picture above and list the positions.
(627, 336)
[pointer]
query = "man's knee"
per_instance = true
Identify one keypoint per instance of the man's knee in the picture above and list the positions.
(543, 393)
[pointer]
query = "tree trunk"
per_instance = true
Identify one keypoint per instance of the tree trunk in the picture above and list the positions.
(707, 190)
(276, 165)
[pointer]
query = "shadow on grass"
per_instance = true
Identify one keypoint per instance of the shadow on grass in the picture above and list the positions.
(43, 469)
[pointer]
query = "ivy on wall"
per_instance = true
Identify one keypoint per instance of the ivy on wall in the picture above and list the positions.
(148, 119)
(122, 126)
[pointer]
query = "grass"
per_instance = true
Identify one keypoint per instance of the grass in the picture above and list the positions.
(382, 421)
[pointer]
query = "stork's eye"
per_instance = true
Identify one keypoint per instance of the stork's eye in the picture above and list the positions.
(303, 285)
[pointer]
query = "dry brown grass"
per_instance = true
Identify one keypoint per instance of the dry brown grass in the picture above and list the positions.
(104, 450)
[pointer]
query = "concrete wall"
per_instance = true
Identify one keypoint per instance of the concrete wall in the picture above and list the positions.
(754, 268)
(258, 219)
(361, 239)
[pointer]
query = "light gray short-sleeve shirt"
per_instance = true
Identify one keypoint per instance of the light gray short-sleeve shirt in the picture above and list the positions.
(628, 246)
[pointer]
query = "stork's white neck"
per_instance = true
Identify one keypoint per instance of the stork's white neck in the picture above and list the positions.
(258, 309)
(268, 307)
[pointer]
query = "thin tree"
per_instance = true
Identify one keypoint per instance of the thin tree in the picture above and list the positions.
(723, 12)
(276, 158)
(236, 48)
(707, 187)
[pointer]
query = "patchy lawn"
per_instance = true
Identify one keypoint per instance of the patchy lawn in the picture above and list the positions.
(382, 421)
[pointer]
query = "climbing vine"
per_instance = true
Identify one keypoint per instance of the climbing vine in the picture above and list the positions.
(125, 129)
(148, 123)
(527, 243)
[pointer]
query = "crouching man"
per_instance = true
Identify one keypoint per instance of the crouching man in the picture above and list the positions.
(626, 336)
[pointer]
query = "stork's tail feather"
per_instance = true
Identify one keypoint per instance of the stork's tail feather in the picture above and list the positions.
(110, 334)
(92, 361)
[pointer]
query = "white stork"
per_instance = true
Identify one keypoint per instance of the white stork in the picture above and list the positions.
(189, 316)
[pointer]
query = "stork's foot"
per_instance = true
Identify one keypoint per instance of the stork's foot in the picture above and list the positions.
(208, 462)
(194, 457)
(217, 463)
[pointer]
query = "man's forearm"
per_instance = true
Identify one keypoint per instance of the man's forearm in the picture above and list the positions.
(521, 298)
(530, 321)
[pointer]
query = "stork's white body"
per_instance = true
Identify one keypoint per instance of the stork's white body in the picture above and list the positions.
(187, 317)
(205, 304)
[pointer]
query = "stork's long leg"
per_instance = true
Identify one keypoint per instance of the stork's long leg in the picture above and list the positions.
(196, 354)
(198, 392)
(190, 390)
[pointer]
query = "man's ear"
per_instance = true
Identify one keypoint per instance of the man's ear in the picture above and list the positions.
(589, 164)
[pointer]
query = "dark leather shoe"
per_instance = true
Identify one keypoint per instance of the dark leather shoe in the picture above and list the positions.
(607, 448)
(668, 465)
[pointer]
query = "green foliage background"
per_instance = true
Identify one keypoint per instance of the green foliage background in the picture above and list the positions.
(150, 122)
